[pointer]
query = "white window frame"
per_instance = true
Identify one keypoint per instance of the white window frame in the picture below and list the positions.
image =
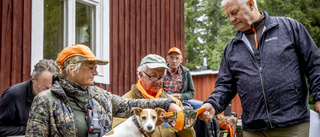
(101, 36)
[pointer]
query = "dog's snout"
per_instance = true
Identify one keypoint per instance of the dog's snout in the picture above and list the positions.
(149, 127)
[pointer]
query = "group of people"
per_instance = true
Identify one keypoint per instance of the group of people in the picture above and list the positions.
(60, 91)
(266, 63)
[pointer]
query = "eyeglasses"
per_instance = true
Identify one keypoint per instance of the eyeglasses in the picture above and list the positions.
(175, 58)
(153, 78)
(93, 68)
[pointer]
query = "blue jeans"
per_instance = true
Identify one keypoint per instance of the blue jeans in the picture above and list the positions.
(196, 104)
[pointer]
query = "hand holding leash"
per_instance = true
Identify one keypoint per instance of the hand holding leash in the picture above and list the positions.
(208, 114)
(180, 120)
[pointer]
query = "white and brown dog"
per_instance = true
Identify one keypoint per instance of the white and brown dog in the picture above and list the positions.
(139, 125)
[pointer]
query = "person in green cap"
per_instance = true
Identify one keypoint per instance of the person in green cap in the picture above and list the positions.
(151, 72)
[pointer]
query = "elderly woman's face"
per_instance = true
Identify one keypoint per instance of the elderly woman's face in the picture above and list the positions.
(86, 74)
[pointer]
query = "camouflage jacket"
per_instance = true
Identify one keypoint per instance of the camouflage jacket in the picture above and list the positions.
(51, 113)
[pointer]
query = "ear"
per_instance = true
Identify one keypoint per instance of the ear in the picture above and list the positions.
(140, 74)
(159, 111)
(33, 79)
(70, 70)
(136, 110)
(251, 4)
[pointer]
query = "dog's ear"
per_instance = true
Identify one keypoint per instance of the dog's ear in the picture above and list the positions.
(136, 110)
(159, 111)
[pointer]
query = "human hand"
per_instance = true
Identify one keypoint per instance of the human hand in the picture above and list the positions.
(178, 96)
(173, 107)
(208, 114)
(317, 106)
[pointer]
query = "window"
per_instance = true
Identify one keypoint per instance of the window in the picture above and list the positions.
(57, 24)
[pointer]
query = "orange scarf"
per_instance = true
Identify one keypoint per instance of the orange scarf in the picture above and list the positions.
(144, 92)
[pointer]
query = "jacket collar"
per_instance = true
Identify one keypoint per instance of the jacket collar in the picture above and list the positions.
(56, 86)
(138, 93)
(60, 84)
(29, 91)
(268, 24)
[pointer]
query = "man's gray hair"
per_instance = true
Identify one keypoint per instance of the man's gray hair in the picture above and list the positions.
(141, 69)
(144, 68)
(45, 65)
(224, 2)
(74, 68)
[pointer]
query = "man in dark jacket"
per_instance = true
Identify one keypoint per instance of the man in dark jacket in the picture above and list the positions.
(15, 101)
(266, 64)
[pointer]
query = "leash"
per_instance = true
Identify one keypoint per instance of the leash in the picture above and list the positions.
(135, 121)
(180, 117)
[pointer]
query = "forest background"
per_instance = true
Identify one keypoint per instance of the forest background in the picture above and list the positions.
(208, 30)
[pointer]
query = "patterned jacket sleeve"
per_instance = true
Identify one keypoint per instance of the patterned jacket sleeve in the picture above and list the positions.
(38, 122)
(121, 107)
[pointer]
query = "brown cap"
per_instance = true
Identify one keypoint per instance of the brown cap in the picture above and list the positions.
(78, 50)
(174, 49)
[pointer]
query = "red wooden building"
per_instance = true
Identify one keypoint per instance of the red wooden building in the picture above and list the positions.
(204, 82)
(121, 31)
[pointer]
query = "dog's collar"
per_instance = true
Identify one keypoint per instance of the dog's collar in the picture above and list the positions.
(135, 121)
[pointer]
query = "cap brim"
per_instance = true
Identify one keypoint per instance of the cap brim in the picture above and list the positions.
(157, 65)
(174, 52)
(99, 61)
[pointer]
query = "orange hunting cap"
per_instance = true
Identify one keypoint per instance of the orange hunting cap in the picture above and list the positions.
(84, 53)
(174, 49)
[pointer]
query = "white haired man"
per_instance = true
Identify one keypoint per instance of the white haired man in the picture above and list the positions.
(266, 64)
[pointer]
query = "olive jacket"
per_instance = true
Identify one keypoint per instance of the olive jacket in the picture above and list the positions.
(161, 131)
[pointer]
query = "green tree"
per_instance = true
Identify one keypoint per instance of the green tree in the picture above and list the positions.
(192, 24)
(208, 30)
(304, 11)
(203, 20)
(217, 31)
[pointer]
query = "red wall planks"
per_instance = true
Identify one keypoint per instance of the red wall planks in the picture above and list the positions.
(6, 42)
(114, 35)
(137, 28)
(26, 43)
(132, 44)
(16, 58)
(15, 41)
(143, 27)
(204, 86)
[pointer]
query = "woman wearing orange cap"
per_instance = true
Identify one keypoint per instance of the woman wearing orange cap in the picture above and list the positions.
(73, 107)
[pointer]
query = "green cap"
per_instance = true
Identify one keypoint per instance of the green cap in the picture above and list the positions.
(154, 61)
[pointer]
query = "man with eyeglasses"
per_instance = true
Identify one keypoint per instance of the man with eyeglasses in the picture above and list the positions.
(149, 86)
